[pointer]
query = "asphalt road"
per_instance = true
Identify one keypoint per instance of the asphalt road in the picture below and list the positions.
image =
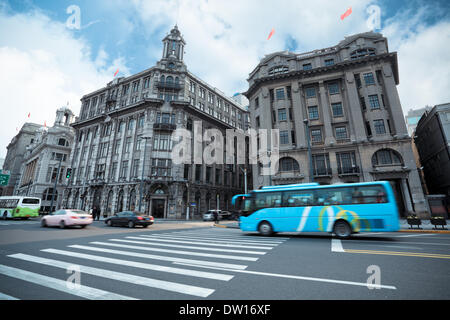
(196, 261)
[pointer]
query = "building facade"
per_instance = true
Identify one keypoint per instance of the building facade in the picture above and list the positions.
(412, 118)
(15, 155)
(121, 158)
(46, 160)
(432, 139)
(344, 101)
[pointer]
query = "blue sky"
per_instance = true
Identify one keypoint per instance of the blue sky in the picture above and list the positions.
(225, 41)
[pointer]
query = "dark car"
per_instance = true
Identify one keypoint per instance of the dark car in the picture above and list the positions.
(130, 219)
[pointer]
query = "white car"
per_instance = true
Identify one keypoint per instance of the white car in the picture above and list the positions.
(67, 217)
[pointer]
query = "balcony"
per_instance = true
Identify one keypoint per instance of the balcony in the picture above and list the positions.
(169, 85)
(354, 170)
(164, 126)
(322, 172)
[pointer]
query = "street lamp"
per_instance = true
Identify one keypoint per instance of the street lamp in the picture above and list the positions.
(143, 167)
(56, 180)
(311, 172)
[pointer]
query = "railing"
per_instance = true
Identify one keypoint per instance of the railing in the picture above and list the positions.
(164, 126)
(348, 170)
(322, 172)
(169, 85)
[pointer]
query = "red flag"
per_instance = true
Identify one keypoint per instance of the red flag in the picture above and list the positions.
(45, 124)
(29, 114)
(346, 13)
(117, 71)
(271, 34)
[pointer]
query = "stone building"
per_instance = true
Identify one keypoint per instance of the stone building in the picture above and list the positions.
(344, 100)
(48, 154)
(121, 158)
(15, 155)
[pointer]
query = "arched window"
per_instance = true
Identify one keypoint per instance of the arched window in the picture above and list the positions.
(120, 201)
(63, 142)
(361, 53)
(159, 191)
(386, 157)
(169, 79)
(288, 164)
(132, 202)
(47, 195)
(162, 79)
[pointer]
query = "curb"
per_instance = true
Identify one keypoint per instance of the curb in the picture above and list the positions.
(424, 231)
(225, 226)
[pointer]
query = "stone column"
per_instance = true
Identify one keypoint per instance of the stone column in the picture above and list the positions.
(328, 130)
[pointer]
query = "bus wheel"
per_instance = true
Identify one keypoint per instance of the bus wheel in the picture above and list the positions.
(342, 229)
(265, 228)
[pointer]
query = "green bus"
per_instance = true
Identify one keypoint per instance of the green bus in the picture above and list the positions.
(19, 207)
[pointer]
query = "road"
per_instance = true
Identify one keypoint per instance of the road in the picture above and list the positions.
(197, 261)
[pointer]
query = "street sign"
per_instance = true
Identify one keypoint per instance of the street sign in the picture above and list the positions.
(4, 179)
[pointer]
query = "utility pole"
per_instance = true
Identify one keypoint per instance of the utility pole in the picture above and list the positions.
(56, 180)
(245, 178)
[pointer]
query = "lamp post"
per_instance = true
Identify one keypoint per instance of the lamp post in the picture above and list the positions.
(311, 171)
(141, 186)
(245, 178)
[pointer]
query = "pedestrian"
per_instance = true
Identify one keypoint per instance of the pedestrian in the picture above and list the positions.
(97, 213)
(216, 217)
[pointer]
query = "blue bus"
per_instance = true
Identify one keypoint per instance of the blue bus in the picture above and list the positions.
(341, 209)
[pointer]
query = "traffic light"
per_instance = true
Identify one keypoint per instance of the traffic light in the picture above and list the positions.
(68, 173)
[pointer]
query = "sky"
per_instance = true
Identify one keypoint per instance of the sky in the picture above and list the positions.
(52, 52)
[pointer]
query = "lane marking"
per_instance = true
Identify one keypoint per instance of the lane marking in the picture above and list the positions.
(363, 284)
(155, 238)
(191, 253)
(228, 232)
(406, 254)
(6, 297)
(162, 258)
(393, 242)
(218, 240)
(147, 266)
(119, 276)
(60, 285)
(149, 242)
(220, 237)
(336, 245)
(415, 235)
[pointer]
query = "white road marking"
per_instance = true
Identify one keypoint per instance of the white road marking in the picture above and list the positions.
(119, 276)
(60, 285)
(415, 235)
(149, 242)
(162, 258)
(156, 238)
(226, 236)
(362, 284)
(219, 240)
(228, 233)
(190, 253)
(336, 245)
(147, 266)
(6, 297)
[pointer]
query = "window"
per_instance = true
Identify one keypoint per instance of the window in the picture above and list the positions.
(131, 123)
(46, 196)
(62, 142)
(127, 145)
(358, 80)
(280, 94)
(125, 89)
(379, 77)
(284, 137)
(198, 172)
(112, 174)
(141, 121)
(379, 126)
(374, 102)
(362, 101)
(282, 116)
(288, 164)
(333, 88)
(100, 171)
(135, 169)
(307, 66)
(208, 175)
(267, 200)
(116, 147)
(341, 133)
(368, 78)
(121, 126)
(321, 164)
(293, 136)
(124, 170)
(162, 142)
(146, 82)
(256, 103)
(386, 157)
(329, 62)
(258, 124)
(337, 109)
(346, 162)
(138, 143)
(313, 113)
(368, 129)
(310, 92)
(316, 135)
(218, 176)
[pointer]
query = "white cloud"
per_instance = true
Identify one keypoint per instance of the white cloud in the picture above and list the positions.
(43, 66)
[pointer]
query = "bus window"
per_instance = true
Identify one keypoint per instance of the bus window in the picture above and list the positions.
(267, 200)
(369, 194)
(298, 198)
(30, 201)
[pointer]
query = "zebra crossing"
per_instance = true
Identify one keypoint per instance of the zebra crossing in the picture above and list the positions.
(189, 263)
(17, 222)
